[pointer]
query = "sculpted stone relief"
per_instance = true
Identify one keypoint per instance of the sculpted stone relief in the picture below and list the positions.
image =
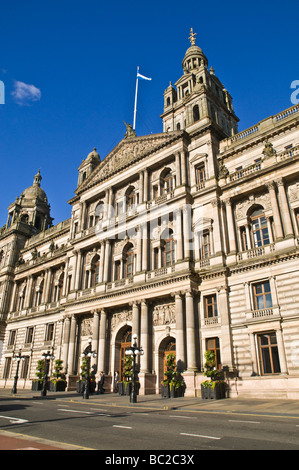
(86, 327)
(126, 152)
(293, 192)
(164, 314)
(121, 317)
(243, 206)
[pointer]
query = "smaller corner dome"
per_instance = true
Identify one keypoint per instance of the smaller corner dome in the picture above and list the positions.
(35, 191)
(93, 156)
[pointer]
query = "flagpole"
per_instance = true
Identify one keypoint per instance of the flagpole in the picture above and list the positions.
(135, 105)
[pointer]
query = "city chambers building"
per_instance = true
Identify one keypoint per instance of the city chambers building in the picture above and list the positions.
(188, 238)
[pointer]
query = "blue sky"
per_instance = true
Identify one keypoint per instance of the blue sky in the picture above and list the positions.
(69, 69)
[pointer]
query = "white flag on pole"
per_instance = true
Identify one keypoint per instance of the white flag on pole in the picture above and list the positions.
(142, 76)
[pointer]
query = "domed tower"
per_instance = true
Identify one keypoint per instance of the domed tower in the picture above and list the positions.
(198, 95)
(87, 166)
(31, 207)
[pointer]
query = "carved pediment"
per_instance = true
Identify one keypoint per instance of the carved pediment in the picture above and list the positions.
(126, 152)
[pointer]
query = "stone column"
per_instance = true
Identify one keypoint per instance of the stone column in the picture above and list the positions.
(102, 255)
(27, 300)
(106, 261)
(187, 230)
(135, 320)
(180, 339)
(178, 235)
(144, 337)
(230, 226)
(275, 210)
(102, 342)
(183, 168)
(141, 187)
(216, 228)
(66, 339)
(145, 262)
(253, 354)
(78, 270)
(139, 248)
(226, 341)
(95, 335)
(72, 343)
(178, 169)
(190, 333)
(285, 211)
(145, 185)
(281, 352)
(248, 237)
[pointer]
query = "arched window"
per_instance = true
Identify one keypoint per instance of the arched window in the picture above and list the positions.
(131, 199)
(95, 271)
(168, 252)
(128, 261)
(259, 228)
(167, 182)
(99, 212)
(195, 113)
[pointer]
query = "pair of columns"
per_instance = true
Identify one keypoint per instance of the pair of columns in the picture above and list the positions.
(98, 340)
(281, 214)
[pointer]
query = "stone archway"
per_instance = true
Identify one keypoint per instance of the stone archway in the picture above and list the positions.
(167, 346)
(123, 340)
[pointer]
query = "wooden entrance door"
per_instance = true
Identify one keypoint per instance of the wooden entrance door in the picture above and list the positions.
(170, 349)
(125, 343)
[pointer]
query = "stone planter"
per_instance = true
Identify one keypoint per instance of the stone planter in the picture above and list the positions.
(216, 393)
(172, 392)
(36, 385)
(124, 388)
(59, 386)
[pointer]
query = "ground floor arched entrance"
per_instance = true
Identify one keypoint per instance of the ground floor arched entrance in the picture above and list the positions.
(125, 342)
(167, 346)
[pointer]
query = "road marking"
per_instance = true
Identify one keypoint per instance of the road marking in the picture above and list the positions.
(84, 412)
(239, 421)
(15, 420)
(124, 427)
(199, 435)
(186, 417)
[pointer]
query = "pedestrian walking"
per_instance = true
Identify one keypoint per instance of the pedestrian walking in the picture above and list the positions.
(116, 380)
(101, 383)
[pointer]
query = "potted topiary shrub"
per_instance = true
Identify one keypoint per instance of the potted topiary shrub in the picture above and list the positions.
(173, 385)
(125, 385)
(37, 384)
(215, 387)
(58, 383)
(81, 382)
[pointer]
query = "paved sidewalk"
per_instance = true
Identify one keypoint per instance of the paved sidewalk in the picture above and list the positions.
(250, 406)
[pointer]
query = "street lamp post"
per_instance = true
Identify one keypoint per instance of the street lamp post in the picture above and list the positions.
(134, 351)
(47, 357)
(88, 353)
(18, 357)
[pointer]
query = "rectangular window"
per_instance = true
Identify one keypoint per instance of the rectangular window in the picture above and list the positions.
(210, 303)
(25, 368)
(268, 352)
(49, 332)
(7, 368)
(212, 344)
(29, 335)
(12, 337)
(262, 295)
(205, 245)
(200, 174)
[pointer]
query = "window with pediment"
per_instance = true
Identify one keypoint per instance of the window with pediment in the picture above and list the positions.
(167, 181)
(128, 260)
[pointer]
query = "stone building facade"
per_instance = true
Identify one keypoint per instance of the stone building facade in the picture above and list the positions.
(188, 238)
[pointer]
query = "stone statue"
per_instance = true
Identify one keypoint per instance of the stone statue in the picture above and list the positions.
(268, 150)
(130, 131)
